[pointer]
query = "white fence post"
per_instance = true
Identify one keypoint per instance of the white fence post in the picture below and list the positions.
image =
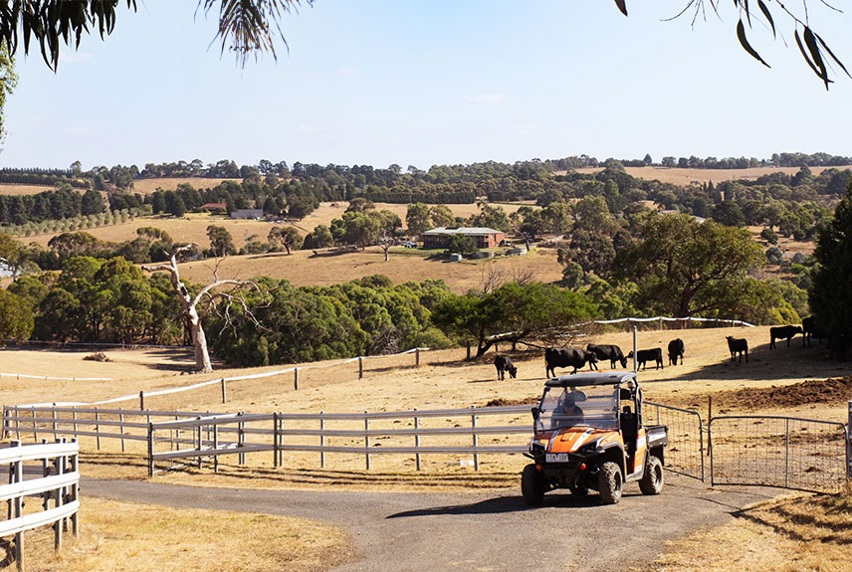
(417, 439)
(16, 474)
(322, 439)
(367, 438)
(475, 439)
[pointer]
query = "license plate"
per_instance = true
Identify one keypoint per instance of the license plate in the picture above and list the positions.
(556, 457)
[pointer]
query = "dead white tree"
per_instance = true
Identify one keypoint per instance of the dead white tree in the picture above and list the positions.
(386, 241)
(190, 303)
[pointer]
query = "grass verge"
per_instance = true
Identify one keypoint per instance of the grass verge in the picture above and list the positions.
(116, 536)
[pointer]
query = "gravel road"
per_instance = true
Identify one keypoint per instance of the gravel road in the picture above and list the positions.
(482, 531)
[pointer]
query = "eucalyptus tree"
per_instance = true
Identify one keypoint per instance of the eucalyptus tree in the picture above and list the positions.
(287, 236)
(832, 276)
(195, 306)
(683, 267)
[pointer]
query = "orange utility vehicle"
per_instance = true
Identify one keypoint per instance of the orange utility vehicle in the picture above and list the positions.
(589, 434)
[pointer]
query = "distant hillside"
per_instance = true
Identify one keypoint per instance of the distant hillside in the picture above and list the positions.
(679, 176)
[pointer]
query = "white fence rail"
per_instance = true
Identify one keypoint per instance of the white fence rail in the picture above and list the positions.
(220, 381)
(464, 432)
(59, 482)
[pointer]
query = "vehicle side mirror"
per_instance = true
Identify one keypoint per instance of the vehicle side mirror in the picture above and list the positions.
(535, 413)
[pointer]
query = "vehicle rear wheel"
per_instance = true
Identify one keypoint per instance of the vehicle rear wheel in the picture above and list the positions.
(651, 482)
(610, 482)
(532, 485)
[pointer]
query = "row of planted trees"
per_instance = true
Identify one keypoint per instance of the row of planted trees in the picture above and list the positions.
(83, 222)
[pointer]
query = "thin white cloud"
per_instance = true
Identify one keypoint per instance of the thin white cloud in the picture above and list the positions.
(487, 98)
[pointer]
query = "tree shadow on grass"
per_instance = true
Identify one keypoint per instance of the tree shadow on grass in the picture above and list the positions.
(766, 365)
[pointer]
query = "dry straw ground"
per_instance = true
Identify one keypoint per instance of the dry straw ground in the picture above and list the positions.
(446, 380)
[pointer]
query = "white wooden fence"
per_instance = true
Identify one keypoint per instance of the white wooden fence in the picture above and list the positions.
(190, 437)
(464, 432)
(59, 482)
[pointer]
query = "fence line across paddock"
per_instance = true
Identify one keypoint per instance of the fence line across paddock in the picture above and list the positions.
(193, 438)
(222, 382)
(810, 454)
(296, 370)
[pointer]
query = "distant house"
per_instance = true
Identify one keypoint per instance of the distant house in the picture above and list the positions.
(216, 208)
(251, 214)
(482, 237)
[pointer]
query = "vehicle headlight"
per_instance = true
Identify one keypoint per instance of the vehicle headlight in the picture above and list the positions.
(592, 447)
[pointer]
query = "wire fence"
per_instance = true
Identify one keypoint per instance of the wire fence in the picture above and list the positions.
(787, 452)
(685, 453)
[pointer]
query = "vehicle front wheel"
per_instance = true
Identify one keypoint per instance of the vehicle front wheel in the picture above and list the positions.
(610, 482)
(532, 486)
(651, 482)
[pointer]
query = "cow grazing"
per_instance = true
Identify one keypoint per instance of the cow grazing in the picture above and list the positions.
(782, 332)
(738, 348)
(810, 329)
(608, 352)
(644, 356)
(676, 349)
(503, 363)
(568, 357)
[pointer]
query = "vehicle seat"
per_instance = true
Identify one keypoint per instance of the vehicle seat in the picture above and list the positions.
(629, 428)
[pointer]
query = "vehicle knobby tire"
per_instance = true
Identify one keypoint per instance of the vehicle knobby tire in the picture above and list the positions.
(651, 482)
(610, 483)
(533, 486)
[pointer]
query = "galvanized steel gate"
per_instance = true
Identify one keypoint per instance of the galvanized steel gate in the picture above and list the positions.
(787, 452)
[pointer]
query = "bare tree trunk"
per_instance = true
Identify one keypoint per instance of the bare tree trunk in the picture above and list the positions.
(188, 306)
(199, 341)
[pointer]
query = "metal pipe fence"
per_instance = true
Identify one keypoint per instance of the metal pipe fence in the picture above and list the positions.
(788, 452)
(772, 451)
(685, 452)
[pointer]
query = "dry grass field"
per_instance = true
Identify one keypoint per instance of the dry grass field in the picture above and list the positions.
(193, 227)
(119, 536)
(798, 533)
(686, 176)
(302, 268)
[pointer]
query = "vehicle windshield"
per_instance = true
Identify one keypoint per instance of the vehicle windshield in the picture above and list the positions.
(592, 406)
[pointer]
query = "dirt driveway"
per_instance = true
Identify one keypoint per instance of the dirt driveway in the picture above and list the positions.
(483, 531)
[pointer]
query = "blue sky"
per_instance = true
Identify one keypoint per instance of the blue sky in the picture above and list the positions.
(423, 82)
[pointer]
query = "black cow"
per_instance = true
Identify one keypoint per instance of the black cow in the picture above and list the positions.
(676, 349)
(608, 352)
(810, 329)
(838, 344)
(781, 332)
(738, 348)
(644, 356)
(568, 357)
(503, 363)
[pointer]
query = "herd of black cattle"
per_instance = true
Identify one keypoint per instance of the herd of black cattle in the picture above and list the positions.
(594, 353)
